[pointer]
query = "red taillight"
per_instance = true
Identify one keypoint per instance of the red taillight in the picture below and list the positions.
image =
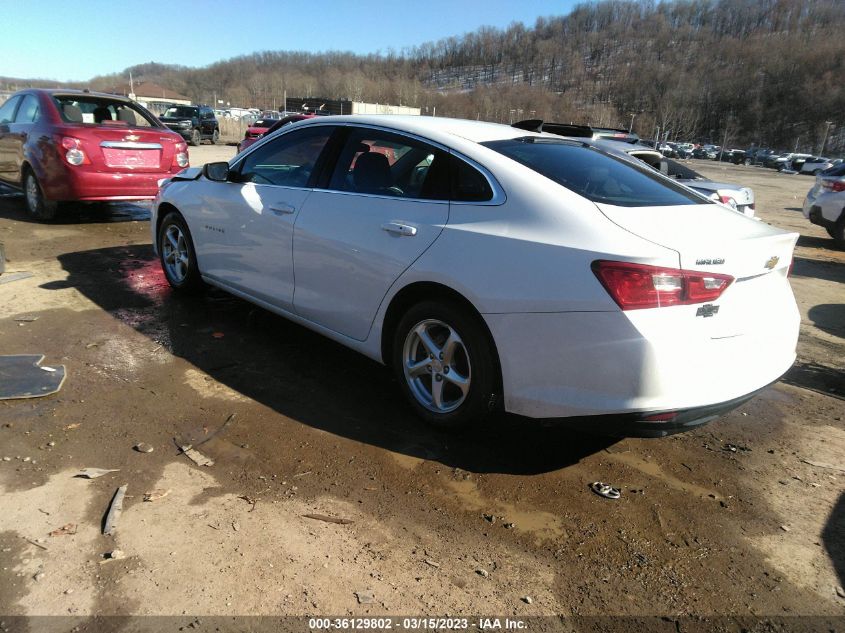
(639, 286)
(180, 155)
(73, 150)
(837, 185)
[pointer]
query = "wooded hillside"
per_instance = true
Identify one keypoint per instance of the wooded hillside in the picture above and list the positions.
(768, 72)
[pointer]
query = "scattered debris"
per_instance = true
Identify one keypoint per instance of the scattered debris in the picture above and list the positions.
(307, 472)
(195, 456)
(482, 572)
(39, 576)
(114, 511)
(365, 597)
(143, 448)
(527, 599)
(69, 591)
(10, 277)
(65, 530)
(21, 376)
(26, 319)
(115, 554)
(687, 467)
(605, 490)
(90, 345)
(328, 519)
(489, 518)
(785, 528)
(93, 473)
(155, 495)
(733, 448)
(75, 425)
(250, 500)
(431, 563)
(36, 543)
(824, 465)
(236, 526)
(509, 525)
(840, 591)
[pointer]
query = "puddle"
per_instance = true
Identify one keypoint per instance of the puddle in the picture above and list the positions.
(653, 470)
(543, 525)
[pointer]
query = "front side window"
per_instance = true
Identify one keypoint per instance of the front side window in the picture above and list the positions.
(595, 175)
(387, 164)
(7, 110)
(288, 160)
(30, 110)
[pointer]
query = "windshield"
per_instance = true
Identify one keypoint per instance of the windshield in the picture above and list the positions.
(180, 111)
(264, 122)
(595, 175)
(102, 111)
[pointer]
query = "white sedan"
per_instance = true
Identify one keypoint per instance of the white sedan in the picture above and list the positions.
(492, 267)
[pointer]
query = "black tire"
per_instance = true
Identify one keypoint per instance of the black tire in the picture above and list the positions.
(196, 138)
(37, 204)
(190, 282)
(475, 359)
(215, 136)
(837, 232)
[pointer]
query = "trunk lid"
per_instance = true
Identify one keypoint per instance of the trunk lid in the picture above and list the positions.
(711, 238)
(136, 149)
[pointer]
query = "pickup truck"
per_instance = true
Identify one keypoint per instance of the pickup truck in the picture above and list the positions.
(194, 123)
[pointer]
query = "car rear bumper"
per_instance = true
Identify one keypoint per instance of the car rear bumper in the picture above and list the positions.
(606, 364)
(91, 186)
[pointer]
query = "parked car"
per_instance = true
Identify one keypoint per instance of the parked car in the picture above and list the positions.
(487, 264)
(825, 203)
(263, 127)
(71, 145)
(736, 197)
(193, 123)
(250, 138)
(814, 165)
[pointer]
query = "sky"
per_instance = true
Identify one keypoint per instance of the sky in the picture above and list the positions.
(75, 41)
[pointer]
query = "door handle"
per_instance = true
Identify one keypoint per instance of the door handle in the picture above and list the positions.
(282, 209)
(397, 228)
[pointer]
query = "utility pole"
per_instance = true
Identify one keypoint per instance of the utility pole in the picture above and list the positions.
(824, 140)
(722, 151)
(631, 127)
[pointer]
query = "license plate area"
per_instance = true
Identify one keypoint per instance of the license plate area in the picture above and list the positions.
(132, 158)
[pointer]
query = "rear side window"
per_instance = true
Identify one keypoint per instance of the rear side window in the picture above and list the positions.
(387, 164)
(594, 174)
(30, 110)
(469, 184)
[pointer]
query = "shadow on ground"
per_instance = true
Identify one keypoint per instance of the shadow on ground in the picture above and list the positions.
(303, 375)
(818, 378)
(833, 537)
(826, 270)
(13, 207)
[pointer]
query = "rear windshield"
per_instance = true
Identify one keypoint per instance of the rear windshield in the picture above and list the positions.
(102, 111)
(836, 170)
(594, 174)
(177, 111)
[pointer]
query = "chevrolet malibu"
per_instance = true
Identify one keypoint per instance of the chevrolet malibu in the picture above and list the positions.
(493, 267)
(75, 145)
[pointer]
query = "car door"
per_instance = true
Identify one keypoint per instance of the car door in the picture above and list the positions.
(8, 170)
(245, 226)
(28, 114)
(384, 204)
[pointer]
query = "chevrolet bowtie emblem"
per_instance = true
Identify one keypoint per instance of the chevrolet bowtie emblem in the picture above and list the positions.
(132, 137)
(772, 262)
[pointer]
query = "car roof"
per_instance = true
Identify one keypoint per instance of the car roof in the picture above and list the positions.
(439, 129)
(65, 92)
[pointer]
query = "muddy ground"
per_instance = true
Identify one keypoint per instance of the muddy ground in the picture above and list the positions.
(729, 519)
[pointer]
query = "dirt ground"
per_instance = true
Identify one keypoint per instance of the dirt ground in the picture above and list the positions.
(726, 520)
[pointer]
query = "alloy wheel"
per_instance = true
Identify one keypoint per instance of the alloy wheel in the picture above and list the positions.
(436, 366)
(174, 249)
(33, 195)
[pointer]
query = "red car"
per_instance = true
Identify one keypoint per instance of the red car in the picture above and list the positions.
(267, 126)
(72, 145)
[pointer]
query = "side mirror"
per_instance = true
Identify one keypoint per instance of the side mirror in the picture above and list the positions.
(218, 172)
